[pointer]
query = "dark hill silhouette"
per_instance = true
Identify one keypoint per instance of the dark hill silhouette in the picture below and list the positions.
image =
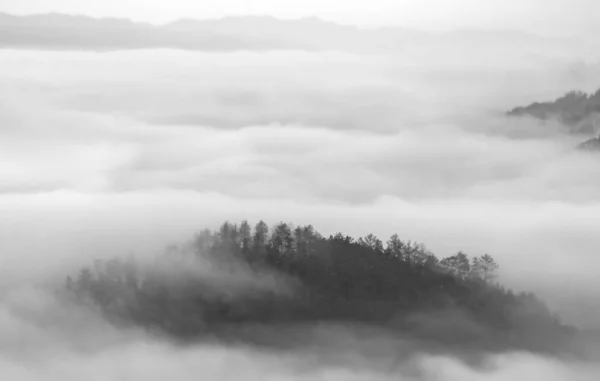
(577, 110)
(238, 283)
(592, 144)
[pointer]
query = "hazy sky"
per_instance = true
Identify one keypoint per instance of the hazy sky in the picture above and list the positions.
(556, 17)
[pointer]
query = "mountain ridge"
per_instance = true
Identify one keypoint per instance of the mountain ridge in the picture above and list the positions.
(252, 32)
(578, 111)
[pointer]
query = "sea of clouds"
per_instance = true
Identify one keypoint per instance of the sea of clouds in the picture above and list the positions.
(104, 154)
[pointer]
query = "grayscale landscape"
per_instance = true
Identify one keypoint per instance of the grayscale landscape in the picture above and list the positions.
(271, 195)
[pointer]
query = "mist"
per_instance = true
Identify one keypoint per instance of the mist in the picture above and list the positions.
(111, 153)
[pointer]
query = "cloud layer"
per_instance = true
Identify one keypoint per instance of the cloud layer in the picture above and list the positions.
(407, 143)
(106, 153)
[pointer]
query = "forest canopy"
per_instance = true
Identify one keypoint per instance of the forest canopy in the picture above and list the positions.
(243, 275)
(575, 109)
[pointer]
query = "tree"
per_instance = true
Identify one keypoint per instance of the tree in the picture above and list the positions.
(463, 266)
(371, 242)
(432, 261)
(341, 238)
(204, 241)
(485, 267)
(282, 240)
(259, 240)
(457, 265)
(234, 235)
(301, 241)
(395, 247)
(223, 233)
(228, 235)
(416, 254)
(245, 236)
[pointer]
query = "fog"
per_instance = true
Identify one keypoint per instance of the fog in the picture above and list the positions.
(104, 154)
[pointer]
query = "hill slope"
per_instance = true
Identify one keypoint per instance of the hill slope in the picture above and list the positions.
(232, 282)
(576, 109)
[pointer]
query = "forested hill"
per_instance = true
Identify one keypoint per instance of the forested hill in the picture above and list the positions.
(576, 109)
(223, 282)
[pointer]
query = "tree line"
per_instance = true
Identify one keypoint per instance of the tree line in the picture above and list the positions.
(572, 109)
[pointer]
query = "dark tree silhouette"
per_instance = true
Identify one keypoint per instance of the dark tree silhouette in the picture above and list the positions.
(296, 275)
(578, 111)
(372, 242)
(457, 265)
(484, 267)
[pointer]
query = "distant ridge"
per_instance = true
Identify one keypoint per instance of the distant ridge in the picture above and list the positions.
(577, 110)
(75, 32)
(591, 145)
